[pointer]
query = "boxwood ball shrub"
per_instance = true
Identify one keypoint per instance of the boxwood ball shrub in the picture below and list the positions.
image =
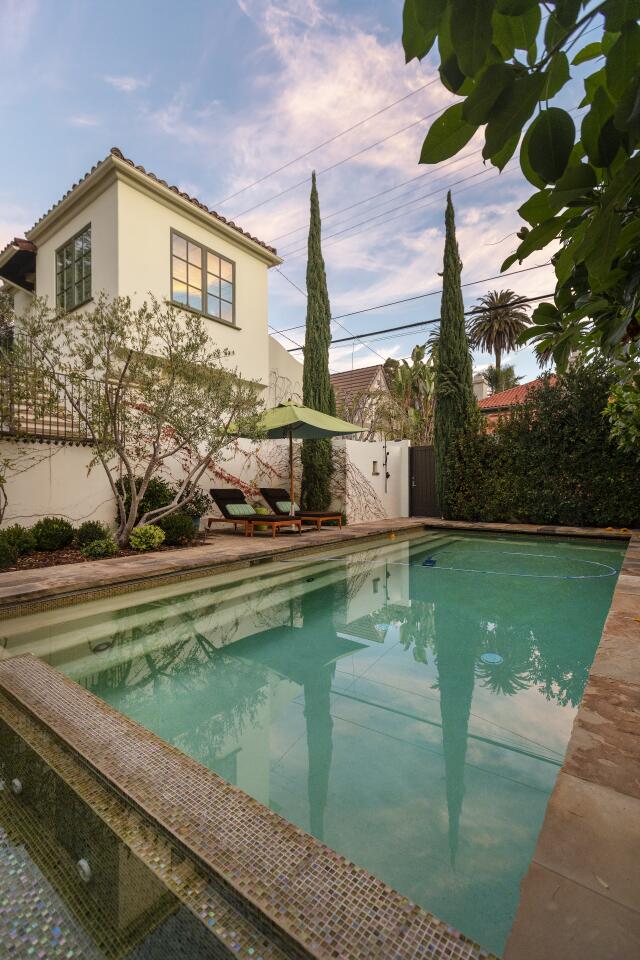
(8, 551)
(89, 531)
(178, 528)
(148, 537)
(21, 537)
(52, 533)
(96, 549)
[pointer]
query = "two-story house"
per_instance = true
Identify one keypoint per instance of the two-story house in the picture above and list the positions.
(124, 231)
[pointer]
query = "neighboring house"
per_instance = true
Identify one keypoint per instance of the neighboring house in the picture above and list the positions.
(499, 404)
(480, 386)
(124, 231)
(358, 393)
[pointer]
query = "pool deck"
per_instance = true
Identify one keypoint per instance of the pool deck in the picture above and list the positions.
(581, 895)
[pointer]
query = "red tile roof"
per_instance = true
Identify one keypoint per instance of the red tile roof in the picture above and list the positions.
(508, 398)
(21, 244)
(117, 153)
(349, 383)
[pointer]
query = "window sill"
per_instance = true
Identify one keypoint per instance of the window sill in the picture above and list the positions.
(78, 306)
(201, 313)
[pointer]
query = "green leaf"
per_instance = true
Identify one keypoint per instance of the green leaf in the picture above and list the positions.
(516, 33)
(416, 40)
(627, 115)
(590, 52)
(448, 134)
(623, 59)
(536, 208)
(513, 8)
(554, 32)
(502, 157)
(538, 238)
(619, 12)
(550, 142)
(606, 228)
(592, 84)
(592, 124)
(511, 111)
(628, 236)
(491, 83)
(471, 33)
(567, 12)
(451, 75)
(576, 181)
(557, 75)
(525, 166)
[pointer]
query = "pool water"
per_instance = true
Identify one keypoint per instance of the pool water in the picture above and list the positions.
(409, 704)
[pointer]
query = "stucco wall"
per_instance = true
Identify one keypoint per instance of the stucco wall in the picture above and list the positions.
(144, 259)
(285, 375)
(392, 495)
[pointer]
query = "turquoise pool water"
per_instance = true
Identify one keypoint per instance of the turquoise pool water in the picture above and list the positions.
(409, 704)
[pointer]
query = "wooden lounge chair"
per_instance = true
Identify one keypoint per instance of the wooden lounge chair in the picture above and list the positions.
(235, 509)
(278, 500)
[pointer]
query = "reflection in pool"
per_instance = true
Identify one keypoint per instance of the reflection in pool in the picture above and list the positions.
(409, 704)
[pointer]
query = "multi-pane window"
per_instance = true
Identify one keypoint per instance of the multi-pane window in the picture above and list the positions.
(201, 279)
(73, 271)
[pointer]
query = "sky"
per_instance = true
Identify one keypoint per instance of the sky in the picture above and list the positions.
(213, 95)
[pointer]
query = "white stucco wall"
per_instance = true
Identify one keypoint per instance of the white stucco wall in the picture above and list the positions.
(285, 375)
(393, 495)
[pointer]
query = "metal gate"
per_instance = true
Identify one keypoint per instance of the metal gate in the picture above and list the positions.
(423, 501)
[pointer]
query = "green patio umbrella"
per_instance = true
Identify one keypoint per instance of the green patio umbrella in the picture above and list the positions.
(291, 421)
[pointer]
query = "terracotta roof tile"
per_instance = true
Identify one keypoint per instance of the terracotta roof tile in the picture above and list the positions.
(508, 398)
(117, 153)
(21, 244)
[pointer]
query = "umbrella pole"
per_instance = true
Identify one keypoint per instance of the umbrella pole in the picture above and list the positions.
(291, 488)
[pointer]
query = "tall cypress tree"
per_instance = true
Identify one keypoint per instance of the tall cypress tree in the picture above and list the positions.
(317, 391)
(455, 403)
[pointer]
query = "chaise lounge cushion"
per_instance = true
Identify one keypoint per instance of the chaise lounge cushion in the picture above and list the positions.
(276, 497)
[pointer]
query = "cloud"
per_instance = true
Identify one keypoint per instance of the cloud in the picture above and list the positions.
(83, 120)
(127, 84)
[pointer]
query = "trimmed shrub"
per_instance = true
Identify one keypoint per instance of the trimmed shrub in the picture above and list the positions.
(8, 551)
(89, 531)
(21, 537)
(160, 493)
(178, 528)
(96, 549)
(552, 460)
(52, 533)
(148, 537)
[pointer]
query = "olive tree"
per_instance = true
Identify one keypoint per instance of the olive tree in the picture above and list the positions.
(146, 387)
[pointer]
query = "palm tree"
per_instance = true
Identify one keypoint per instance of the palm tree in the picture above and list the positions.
(497, 322)
(503, 379)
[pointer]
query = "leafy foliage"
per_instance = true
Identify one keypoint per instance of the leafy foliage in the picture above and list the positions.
(551, 460)
(623, 407)
(317, 391)
(8, 552)
(455, 403)
(89, 531)
(502, 379)
(496, 323)
(178, 528)
(493, 55)
(52, 533)
(97, 549)
(408, 412)
(21, 537)
(148, 536)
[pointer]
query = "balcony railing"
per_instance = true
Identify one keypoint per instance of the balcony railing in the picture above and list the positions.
(41, 406)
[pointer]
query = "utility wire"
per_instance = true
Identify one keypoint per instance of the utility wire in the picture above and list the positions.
(326, 143)
(339, 163)
(424, 323)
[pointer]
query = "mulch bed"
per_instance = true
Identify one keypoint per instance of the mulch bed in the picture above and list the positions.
(54, 558)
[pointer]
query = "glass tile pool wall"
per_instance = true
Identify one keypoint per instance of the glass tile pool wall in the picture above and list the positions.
(408, 704)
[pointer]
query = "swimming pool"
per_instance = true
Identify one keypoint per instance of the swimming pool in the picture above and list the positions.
(408, 704)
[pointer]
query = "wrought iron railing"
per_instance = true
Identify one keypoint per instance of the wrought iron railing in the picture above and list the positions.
(36, 405)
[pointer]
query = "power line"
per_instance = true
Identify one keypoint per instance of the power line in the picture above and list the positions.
(423, 323)
(420, 296)
(339, 163)
(326, 143)
(374, 196)
(406, 203)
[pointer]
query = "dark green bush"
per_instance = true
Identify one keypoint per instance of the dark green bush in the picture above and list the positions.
(178, 528)
(8, 551)
(95, 549)
(52, 533)
(160, 493)
(550, 461)
(21, 537)
(89, 531)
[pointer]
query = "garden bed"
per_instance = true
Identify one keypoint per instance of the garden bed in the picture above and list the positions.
(54, 558)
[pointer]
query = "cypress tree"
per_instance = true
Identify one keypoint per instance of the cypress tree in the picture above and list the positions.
(456, 406)
(317, 390)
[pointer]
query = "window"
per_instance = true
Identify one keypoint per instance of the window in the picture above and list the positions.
(202, 279)
(73, 271)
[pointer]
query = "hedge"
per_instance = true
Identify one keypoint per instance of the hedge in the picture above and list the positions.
(551, 460)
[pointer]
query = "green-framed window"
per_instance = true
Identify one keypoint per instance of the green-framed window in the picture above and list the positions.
(202, 279)
(73, 271)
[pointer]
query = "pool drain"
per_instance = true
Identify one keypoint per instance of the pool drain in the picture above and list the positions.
(491, 658)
